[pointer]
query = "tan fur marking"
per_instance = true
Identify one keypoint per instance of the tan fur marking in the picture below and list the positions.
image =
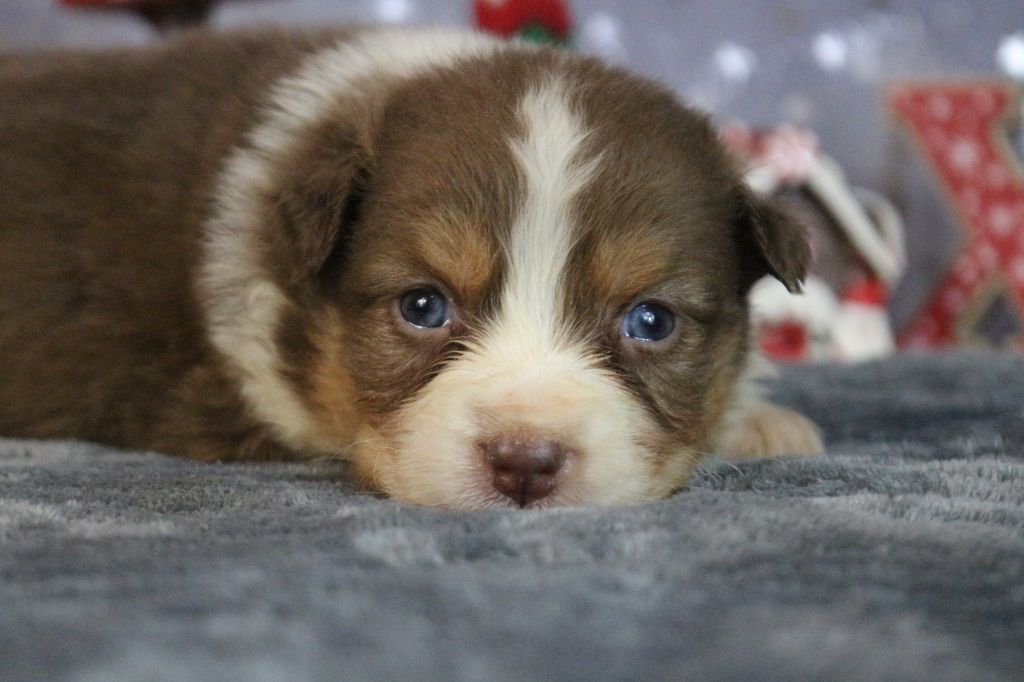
(334, 398)
(625, 266)
(459, 255)
(767, 430)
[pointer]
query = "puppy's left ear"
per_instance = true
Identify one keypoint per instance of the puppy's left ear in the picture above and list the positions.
(770, 242)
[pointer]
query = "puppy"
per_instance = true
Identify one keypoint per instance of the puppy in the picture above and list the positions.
(487, 274)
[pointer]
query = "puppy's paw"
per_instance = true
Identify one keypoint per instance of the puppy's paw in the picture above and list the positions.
(767, 430)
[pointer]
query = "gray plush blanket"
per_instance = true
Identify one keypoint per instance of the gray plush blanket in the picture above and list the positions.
(899, 555)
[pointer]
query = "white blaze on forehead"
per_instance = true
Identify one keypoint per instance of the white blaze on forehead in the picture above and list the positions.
(243, 304)
(551, 158)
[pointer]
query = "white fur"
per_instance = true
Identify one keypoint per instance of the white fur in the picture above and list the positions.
(243, 305)
(542, 235)
(525, 372)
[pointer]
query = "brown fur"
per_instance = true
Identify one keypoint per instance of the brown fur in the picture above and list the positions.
(108, 160)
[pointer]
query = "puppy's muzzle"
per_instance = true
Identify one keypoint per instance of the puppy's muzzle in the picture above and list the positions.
(524, 468)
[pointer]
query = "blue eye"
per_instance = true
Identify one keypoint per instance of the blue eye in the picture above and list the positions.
(424, 307)
(648, 322)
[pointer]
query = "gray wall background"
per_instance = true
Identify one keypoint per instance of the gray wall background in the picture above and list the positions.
(811, 62)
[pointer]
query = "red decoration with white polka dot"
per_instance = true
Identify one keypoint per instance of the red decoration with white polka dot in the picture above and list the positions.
(961, 128)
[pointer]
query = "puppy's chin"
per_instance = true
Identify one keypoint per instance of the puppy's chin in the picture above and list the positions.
(435, 450)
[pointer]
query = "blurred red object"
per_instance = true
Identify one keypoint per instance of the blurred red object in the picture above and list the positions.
(525, 17)
(786, 341)
(867, 291)
(963, 130)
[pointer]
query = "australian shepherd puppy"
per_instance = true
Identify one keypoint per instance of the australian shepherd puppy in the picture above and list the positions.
(486, 274)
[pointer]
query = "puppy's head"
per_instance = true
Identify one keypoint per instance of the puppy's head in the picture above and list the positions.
(513, 278)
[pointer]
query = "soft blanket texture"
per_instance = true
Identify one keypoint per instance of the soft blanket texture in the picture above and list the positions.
(899, 555)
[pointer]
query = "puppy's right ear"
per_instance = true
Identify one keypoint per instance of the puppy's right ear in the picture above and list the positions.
(317, 194)
(770, 242)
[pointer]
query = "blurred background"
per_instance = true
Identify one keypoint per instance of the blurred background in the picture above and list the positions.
(826, 68)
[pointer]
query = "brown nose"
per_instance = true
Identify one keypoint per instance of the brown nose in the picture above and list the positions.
(524, 468)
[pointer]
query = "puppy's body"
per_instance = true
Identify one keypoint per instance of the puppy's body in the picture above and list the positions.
(207, 248)
(108, 163)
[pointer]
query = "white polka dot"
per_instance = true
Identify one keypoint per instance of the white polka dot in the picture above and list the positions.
(1001, 219)
(964, 155)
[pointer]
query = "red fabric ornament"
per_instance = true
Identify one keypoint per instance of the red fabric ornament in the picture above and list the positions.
(960, 128)
(868, 291)
(512, 17)
(786, 341)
